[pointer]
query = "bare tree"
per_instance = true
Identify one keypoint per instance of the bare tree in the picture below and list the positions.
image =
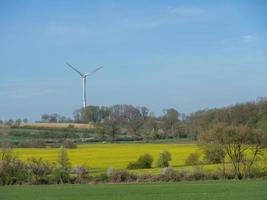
(239, 142)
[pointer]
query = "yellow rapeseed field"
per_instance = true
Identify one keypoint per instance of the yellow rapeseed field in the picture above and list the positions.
(99, 157)
(102, 156)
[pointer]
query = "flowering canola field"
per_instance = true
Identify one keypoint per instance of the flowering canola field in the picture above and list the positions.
(102, 156)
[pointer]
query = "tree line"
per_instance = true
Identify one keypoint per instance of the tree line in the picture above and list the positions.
(250, 114)
(12, 122)
(136, 122)
(141, 123)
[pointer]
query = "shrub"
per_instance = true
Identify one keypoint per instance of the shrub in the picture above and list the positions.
(213, 154)
(54, 145)
(118, 176)
(215, 175)
(63, 159)
(71, 126)
(80, 171)
(5, 144)
(164, 158)
(61, 175)
(38, 170)
(169, 174)
(144, 161)
(39, 143)
(196, 174)
(6, 154)
(101, 178)
(145, 178)
(12, 170)
(17, 172)
(2, 172)
(69, 144)
(110, 171)
(193, 159)
(81, 174)
(183, 174)
(133, 165)
(200, 175)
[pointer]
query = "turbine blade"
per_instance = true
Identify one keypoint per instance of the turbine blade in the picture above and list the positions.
(95, 70)
(80, 73)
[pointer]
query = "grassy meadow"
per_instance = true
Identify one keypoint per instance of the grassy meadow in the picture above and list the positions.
(215, 190)
(101, 156)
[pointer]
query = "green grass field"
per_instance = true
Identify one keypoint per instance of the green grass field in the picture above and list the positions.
(102, 156)
(214, 190)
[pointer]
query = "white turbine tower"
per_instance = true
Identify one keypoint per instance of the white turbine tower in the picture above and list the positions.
(84, 76)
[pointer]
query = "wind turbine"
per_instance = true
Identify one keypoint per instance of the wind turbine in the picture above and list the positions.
(83, 76)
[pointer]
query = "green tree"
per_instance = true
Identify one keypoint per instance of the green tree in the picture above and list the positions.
(150, 128)
(213, 154)
(25, 121)
(100, 130)
(61, 174)
(169, 122)
(193, 159)
(63, 159)
(144, 161)
(111, 128)
(164, 158)
(45, 117)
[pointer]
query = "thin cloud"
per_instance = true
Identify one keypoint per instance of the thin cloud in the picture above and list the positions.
(161, 17)
(32, 92)
(24, 89)
(69, 30)
(248, 38)
(145, 23)
(170, 15)
(186, 11)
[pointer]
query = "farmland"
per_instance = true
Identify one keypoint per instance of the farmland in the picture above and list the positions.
(215, 190)
(59, 125)
(102, 156)
(47, 133)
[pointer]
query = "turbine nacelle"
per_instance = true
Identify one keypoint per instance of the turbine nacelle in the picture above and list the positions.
(83, 76)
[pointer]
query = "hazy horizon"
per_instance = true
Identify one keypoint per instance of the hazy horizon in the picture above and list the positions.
(183, 54)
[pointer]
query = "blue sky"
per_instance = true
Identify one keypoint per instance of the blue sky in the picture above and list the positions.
(189, 55)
